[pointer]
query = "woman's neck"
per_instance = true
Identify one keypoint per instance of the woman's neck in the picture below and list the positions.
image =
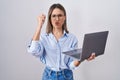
(57, 33)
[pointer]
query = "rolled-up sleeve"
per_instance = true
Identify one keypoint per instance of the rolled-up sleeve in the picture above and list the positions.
(35, 48)
(71, 60)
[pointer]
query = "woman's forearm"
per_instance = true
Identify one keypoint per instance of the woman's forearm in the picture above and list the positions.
(36, 35)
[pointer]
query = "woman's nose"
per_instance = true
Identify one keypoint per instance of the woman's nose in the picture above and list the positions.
(57, 18)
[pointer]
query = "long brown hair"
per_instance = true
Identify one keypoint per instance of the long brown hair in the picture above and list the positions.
(49, 27)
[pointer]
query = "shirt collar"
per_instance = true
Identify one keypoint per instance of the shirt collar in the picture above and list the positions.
(64, 34)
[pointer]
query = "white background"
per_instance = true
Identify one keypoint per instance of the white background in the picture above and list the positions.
(18, 21)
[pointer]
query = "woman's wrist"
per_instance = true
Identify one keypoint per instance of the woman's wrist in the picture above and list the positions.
(77, 63)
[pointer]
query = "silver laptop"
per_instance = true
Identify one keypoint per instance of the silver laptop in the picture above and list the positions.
(93, 42)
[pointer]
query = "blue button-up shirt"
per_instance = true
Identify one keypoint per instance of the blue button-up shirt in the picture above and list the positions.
(49, 50)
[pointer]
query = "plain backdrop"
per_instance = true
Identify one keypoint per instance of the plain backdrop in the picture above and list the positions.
(18, 21)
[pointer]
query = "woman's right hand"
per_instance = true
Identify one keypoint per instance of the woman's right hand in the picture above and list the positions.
(41, 20)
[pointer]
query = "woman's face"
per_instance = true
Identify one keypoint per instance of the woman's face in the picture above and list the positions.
(57, 18)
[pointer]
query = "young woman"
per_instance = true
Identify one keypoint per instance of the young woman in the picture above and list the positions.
(49, 46)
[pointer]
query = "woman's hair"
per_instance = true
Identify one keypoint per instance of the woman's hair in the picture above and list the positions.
(49, 27)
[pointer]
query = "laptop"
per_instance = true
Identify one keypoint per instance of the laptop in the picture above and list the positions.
(93, 43)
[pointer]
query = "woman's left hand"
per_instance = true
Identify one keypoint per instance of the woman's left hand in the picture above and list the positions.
(91, 57)
(77, 63)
